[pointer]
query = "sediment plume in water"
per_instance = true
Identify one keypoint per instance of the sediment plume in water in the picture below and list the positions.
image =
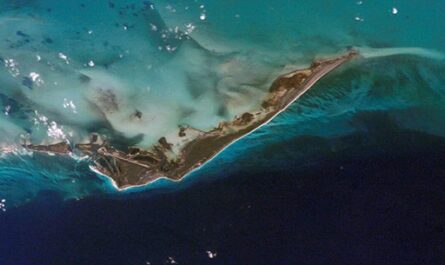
(368, 52)
(70, 68)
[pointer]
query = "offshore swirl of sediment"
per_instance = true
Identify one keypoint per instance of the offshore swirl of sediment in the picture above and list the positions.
(136, 92)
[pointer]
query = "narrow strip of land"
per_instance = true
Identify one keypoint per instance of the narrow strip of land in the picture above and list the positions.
(173, 158)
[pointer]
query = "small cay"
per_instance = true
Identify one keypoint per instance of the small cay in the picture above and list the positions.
(176, 155)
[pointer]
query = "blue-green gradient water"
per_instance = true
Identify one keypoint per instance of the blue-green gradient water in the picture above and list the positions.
(73, 67)
(182, 62)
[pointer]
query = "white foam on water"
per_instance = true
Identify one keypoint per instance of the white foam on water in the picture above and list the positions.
(3, 205)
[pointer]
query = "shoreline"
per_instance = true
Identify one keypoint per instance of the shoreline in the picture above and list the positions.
(174, 161)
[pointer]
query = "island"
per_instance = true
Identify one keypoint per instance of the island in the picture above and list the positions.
(178, 154)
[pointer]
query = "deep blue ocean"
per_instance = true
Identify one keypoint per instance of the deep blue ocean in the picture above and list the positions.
(352, 173)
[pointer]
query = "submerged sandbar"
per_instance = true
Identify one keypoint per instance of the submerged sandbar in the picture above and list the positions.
(176, 155)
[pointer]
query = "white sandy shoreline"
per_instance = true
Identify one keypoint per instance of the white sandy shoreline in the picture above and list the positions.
(302, 92)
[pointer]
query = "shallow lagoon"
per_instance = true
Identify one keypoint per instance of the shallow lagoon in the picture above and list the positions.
(72, 68)
(373, 118)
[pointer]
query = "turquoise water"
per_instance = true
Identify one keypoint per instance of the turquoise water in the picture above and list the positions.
(73, 67)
